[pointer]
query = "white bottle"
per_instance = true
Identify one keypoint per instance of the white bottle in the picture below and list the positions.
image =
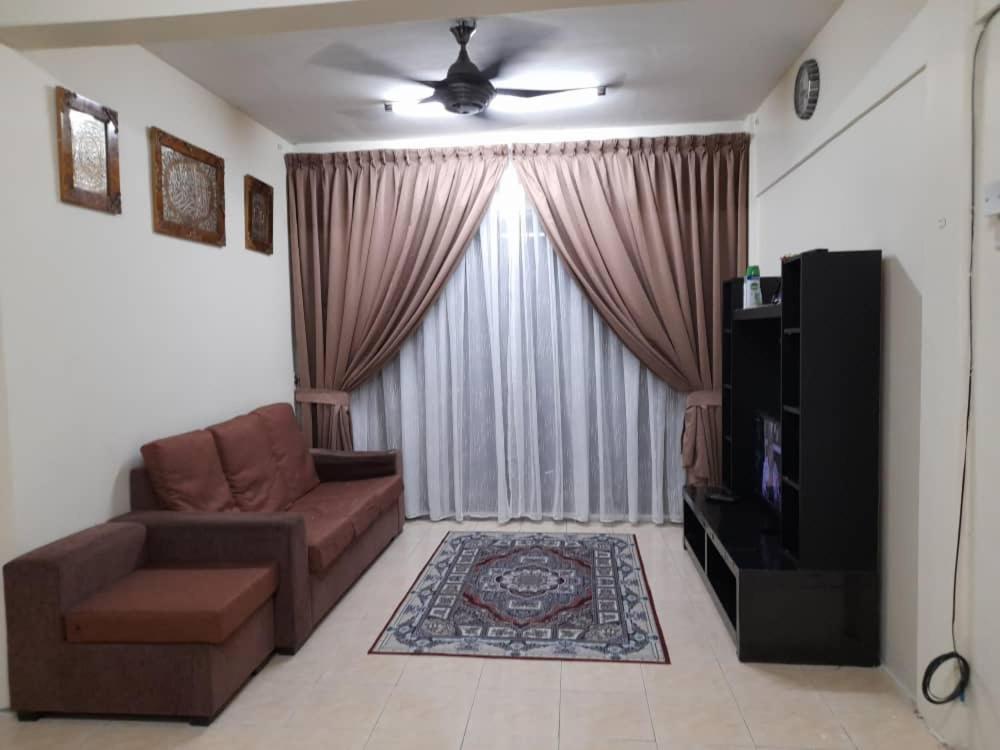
(752, 296)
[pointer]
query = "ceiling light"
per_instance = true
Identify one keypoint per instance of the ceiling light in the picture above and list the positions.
(416, 109)
(549, 102)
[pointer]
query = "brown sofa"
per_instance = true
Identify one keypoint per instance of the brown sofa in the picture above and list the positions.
(102, 622)
(252, 489)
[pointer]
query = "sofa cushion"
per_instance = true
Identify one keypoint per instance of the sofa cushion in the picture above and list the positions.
(249, 465)
(361, 501)
(172, 605)
(295, 464)
(327, 536)
(186, 473)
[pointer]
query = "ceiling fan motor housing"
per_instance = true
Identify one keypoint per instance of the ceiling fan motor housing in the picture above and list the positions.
(465, 90)
(466, 97)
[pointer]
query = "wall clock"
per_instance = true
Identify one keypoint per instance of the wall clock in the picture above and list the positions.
(807, 89)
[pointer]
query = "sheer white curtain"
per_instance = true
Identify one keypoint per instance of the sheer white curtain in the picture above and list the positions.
(514, 399)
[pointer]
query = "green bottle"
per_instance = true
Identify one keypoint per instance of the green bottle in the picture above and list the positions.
(752, 296)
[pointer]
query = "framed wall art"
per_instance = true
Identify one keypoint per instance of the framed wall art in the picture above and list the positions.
(87, 134)
(189, 195)
(258, 210)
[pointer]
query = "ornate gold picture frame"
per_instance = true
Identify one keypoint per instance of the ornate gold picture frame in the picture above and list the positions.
(87, 134)
(189, 190)
(258, 215)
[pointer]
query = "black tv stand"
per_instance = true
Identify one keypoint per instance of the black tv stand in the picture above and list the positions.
(775, 611)
(797, 581)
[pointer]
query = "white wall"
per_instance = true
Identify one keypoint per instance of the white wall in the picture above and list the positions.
(884, 163)
(6, 509)
(982, 595)
(112, 335)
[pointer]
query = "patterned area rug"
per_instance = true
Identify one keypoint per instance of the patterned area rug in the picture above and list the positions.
(529, 595)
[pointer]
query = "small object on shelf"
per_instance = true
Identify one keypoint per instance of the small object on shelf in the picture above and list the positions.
(752, 296)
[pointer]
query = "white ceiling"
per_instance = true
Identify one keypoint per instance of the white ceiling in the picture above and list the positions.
(679, 61)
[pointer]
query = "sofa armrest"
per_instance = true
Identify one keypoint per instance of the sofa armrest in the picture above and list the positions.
(343, 466)
(41, 585)
(177, 538)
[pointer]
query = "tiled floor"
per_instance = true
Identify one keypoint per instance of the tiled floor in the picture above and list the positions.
(333, 695)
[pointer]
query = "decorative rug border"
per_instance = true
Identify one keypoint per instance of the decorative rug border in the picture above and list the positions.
(645, 580)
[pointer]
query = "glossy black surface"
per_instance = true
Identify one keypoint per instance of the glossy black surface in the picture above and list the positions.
(799, 584)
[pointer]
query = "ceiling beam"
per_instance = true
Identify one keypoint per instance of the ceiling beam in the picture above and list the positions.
(38, 24)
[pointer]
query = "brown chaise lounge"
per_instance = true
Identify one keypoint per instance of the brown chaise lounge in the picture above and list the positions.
(99, 623)
(252, 490)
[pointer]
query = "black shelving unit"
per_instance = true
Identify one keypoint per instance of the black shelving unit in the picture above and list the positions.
(798, 583)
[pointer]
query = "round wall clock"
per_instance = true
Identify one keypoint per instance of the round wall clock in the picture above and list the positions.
(807, 89)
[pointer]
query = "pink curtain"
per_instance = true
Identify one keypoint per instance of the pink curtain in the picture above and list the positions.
(373, 237)
(650, 228)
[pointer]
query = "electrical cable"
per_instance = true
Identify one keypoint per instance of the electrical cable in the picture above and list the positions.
(964, 670)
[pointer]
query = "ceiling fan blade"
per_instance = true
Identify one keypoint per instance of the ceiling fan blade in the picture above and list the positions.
(516, 39)
(350, 59)
(529, 93)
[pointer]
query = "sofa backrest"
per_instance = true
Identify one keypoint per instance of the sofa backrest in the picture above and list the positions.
(234, 460)
(141, 493)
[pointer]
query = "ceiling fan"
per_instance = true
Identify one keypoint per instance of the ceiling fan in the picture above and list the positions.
(468, 89)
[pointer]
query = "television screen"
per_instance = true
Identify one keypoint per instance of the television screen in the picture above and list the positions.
(767, 455)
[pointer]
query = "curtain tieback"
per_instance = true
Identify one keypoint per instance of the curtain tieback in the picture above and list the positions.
(701, 399)
(326, 396)
(694, 439)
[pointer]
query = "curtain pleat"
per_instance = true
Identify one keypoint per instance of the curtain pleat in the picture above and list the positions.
(650, 228)
(517, 400)
(373, 238)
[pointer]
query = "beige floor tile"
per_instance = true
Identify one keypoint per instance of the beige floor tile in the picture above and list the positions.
(418, 712)
(602, 744)
(427, 672)
(686, 650)
(604, 716)
(800, 721)
(617, 677)
(751, 682)
(91, 734)
(378, 668)
(715, 721)
(675, 683)
(513, 713)
(303, 669)
(342, 706)
(510, 742)
(853, 690)
(889, 730)
(128, 735)
(419, 738)
(291, 737)
(263, 703)
(520, 674)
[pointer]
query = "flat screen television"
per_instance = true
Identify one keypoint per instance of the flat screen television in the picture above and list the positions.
(767, 459)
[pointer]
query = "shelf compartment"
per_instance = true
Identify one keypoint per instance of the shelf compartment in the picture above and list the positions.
(761, 312)
(790, 516)
(791, 284)
(694, 535)
(790, 446)
(723, 581)
(790, 370)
